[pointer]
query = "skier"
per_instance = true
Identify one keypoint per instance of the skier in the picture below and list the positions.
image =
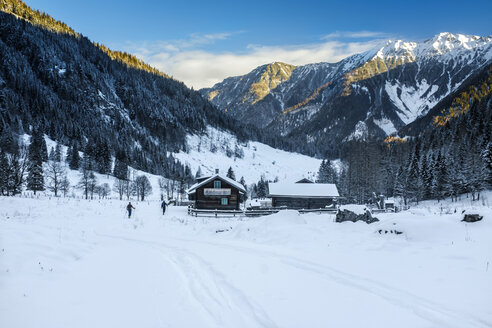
(163, 206)
(129, 208)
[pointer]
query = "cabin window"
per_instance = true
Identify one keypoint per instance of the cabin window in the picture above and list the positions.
(217, 184)
(224, 201)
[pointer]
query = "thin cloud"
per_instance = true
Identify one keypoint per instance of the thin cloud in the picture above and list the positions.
(354, 35)
(199, 68)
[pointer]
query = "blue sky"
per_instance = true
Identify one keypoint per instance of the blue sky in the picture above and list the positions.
(202, 42)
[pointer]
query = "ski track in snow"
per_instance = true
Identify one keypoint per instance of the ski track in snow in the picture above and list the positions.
(426, 309)
(221, 303)
(200, 279)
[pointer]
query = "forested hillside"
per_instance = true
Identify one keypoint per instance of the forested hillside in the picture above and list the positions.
(77, 94)
(451, 155)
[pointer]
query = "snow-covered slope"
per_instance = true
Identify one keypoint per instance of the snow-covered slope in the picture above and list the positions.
(76, 263)
(257, 159)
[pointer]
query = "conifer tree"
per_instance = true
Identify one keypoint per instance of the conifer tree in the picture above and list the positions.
(487, 164)
(414, 183)
(120, 170)
(68, 158)
(243, 183)
(4, 173)
(230, 174)
(440, 185)
(58, 153)
(262, 188)
(326, 174)
(74, 163)
(400, 185)
(35, 177)
(426, 178)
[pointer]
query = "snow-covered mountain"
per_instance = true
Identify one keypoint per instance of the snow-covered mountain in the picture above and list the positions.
(370, 94)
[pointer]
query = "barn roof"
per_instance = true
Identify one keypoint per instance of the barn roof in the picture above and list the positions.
(233, 183)
(302, 189)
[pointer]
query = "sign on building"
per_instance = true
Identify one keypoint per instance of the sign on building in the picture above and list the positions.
(217, 191)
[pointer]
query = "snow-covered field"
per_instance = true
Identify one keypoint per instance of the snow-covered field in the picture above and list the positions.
(77, 263)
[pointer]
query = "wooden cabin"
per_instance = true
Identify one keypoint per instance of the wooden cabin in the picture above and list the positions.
(216, 192)
(303, 195)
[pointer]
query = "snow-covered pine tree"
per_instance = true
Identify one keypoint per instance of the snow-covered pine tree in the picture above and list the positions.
(326, 173)
(74, 163)
(262, 188)
(42, 144)
(400, 185)
(426, 178)
(4, 173)
(68, 158)
(35, 177)
(238, 151)
(243, 183)
(120, 170)
(58, 153)
(230, 174)
(440, 186)
(414, 182)
(487, 164)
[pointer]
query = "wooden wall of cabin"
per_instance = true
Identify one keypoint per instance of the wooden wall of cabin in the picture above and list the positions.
(215, 202)
(301, 203)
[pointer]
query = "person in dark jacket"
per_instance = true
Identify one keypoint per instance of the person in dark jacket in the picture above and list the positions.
(129, 208)
(163, 206)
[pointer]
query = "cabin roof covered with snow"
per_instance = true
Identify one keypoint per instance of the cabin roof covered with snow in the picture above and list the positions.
(233, 183)
(283, 189)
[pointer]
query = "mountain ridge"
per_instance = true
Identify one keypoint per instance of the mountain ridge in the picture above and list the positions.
(396, 82)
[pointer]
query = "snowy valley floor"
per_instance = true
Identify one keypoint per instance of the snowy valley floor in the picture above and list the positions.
(76, 263)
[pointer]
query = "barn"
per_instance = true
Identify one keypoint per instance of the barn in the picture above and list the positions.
(216, 192)
(302, 195)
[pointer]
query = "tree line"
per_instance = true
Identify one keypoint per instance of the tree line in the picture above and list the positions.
(444, 161)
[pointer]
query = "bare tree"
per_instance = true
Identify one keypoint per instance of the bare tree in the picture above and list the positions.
(17, 164)
(102, 190)
(143, 186)
(130, 184)
(87, 180)
(54, 174)
(162, 186)
(64, 185)
(119, 186)
(168, 188)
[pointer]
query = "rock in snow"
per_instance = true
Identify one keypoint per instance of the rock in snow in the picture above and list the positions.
(346, 215)
(472, 218)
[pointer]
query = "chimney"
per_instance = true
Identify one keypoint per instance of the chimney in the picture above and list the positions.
(216, 171)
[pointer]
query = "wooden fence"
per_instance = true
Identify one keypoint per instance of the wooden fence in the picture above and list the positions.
(251, 212)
